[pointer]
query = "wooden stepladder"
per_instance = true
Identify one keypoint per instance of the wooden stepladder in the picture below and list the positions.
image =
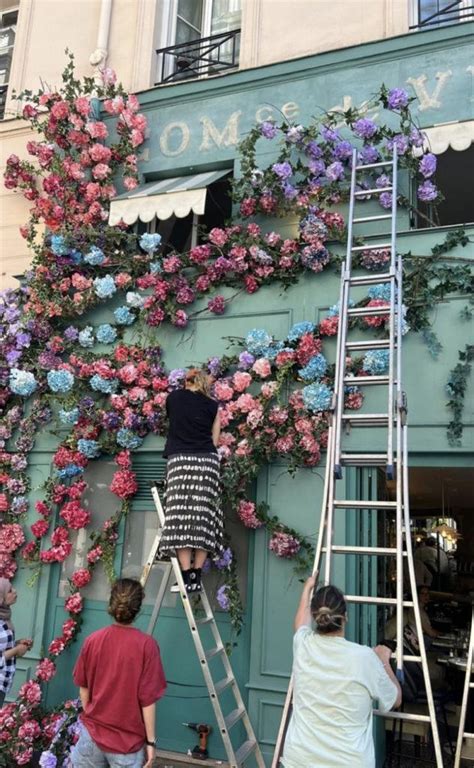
(249, 751)
(392, 419)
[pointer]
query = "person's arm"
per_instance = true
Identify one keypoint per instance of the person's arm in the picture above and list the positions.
(303, 616)
(216, 430)
(148, 714)
(84, 697)
(385, 655)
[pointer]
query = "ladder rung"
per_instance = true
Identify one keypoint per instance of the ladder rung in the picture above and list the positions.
(376, 191)
(381, 277)
(343, 550)
(412, 658)
(366, 419)
(223, 684)
(206, 620)
(404, 716)
(368, 311)
(365, 219)
(372, 504)
(471, 685)
(234, 717)
(374, 165)
(357, 380)
(374, 247)
(361, 345)
(214, 652)
(468, 735)
(364, 459)
(371, 600)
(244, 751)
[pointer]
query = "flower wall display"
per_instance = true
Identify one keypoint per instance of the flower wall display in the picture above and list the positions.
(107, 393)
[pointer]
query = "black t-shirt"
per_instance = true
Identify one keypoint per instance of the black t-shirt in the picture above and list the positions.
(191, 416)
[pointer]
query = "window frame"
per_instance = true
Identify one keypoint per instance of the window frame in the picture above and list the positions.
(9, 49)
(416, 24)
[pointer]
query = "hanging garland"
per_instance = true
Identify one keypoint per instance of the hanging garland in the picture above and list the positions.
(273, 394)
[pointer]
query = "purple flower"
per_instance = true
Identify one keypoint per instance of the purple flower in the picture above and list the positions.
(313, 149)
(335, 171)
(400, 141)
(71, 333)
(428, 165)
(383, 181)
(385, 200)
(427, 192)
(246, 360)
(294, 133)
(316, 167)
(13, 356)
(18, 462)
(364, 128)
(176, 377)
(369, 154)
(282, 170)
(416, 137)
(329, 134)
(111, 420)
(23, 339)
(48, 760)
(342, 150)
(214, 366)
(289, 191)
(268, 129)
(224, 560)
(222, 598)
(397, 98)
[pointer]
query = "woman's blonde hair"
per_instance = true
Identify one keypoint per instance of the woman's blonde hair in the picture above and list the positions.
(199, 380)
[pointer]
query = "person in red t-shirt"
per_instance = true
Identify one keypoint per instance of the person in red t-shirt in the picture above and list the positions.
(120, 678)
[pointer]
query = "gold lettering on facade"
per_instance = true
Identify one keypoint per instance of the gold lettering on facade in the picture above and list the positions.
(229, 136)
(290, 110)
(166, 136)
(419, 86)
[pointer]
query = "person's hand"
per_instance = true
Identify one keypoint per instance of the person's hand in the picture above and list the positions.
(310, 583)
(150, 756)
(384, 654)
(25, 641)
(21, 648)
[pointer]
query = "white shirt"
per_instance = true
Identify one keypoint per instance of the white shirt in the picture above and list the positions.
(336, 683)
(429, 555)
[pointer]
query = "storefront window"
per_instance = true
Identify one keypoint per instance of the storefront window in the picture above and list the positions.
(8, 23)
(454, 175)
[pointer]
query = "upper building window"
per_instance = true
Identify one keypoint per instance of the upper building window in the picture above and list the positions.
(437, 13)
(203, 38)
(454, 176)
(8, 22)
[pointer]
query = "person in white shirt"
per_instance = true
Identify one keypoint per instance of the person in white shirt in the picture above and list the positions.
(336, 683)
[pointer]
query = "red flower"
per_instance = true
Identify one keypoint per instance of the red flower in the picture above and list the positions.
(40, 528)
(74, 515)
(124, 484)
(81, 577)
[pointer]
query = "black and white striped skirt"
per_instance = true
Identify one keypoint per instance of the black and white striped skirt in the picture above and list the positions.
(193, 514)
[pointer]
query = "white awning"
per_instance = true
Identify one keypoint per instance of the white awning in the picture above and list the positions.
(163, 199)
(458, 136)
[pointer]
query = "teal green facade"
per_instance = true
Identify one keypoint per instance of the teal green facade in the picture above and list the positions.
(193, 127)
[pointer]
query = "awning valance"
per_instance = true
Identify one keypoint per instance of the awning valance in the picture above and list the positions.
(162, 199)
(458, 136)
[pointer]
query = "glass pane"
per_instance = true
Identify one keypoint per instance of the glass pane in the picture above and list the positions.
(102, 504)
(226, 15)
(429, 9)
(191, 12)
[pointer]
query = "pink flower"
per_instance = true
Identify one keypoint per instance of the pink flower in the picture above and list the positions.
(241, 380)
(30, 692)
(284, 545)
(60, 110)
(180, 319)
(137, 137)
(97, 130)
(243, 448)
(83, 105)
(284, 444)
(108, 76)
(123, 460)
(172, 264)
(95, 554)
(3, 502)
(216, 305)
(57, 646)
(81, 577)
(69, 628)
(269, 389)
(74, 604)
(11, 537)
(45, 670)
(40, 528)
(246, 512)
(129, 182)
(124, 484)
(101, 171)
(245, 403)
(254, 418)
(262, 367)
(114, 106)
(128, 373)
(75, 516)
(328, 326)
(8, 566)
(100, 153)
(375, 321)
(23, 757)
(278, 415)
(218, 237)
(29, 731)
(223, 391)
(132, 102)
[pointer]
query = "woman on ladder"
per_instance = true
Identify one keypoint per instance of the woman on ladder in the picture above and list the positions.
(193, 515)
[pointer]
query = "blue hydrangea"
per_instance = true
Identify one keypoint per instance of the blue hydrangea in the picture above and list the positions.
(75, 256)
(380, 291)
(86, 337)
(334, 310)
(123, 316)
(104, 287)
(89, 448)
(71, 470)
(19, 505)
(376, 361)
(150, 242)
(22, 382)
(95, 256)
(107, 386)
(60, 380)
(69, 417)
(272, 351)
(58, 245)
(128, 439)
(155, 267)
(134, 299)
(317, 397)
(257, 341)
(314, 369)
(299, 329)
(106, 334)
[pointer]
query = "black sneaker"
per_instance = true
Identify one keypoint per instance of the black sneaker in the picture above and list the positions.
(175, 586)
(194, 581)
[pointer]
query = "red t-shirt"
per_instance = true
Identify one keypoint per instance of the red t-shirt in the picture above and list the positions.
(121, 667)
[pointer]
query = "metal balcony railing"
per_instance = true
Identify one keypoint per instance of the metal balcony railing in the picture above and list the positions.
(197, 58)
(453, 13)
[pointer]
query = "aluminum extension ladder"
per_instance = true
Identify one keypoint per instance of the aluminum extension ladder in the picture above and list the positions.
(394, 460)
(249, 749)
(468, 685)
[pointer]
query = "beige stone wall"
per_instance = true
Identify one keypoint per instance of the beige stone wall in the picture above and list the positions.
(272, 30)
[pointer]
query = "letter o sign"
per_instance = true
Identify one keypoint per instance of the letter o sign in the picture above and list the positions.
(174, 139)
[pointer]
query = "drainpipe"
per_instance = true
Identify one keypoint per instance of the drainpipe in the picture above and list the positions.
(98, 58)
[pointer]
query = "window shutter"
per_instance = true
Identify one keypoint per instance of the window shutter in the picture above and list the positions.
(147, 472)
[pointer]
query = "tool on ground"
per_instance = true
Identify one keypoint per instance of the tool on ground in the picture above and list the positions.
(393, 419)
(468, 686)
(200, 751)
(249, 749)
